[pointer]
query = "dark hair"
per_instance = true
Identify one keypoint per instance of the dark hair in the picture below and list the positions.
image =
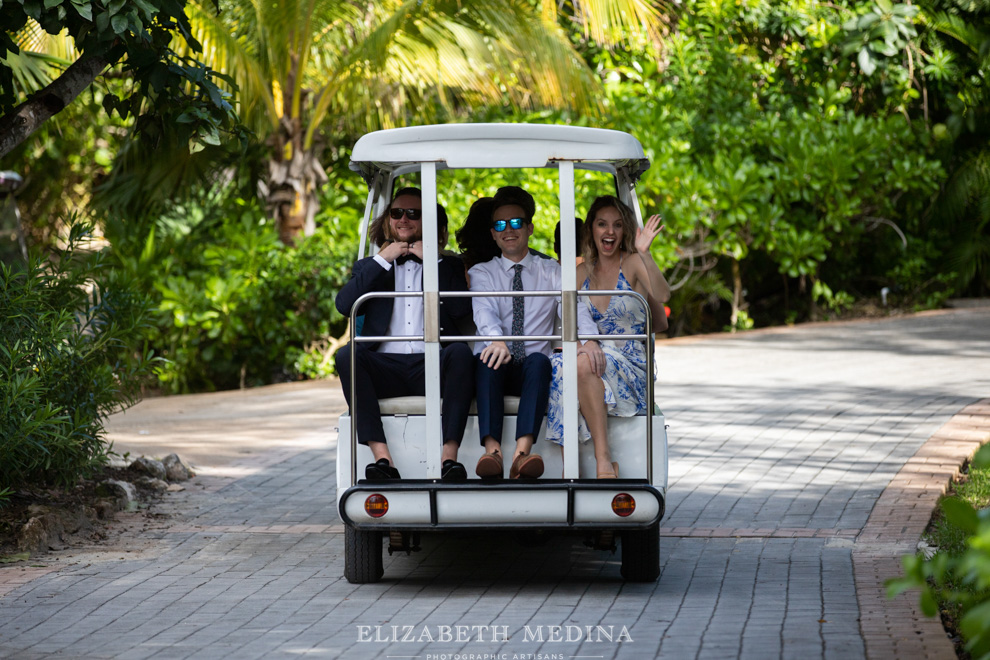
(380, 227)
(515, 195)
(474, 239)
(590, 250)
(578, 229)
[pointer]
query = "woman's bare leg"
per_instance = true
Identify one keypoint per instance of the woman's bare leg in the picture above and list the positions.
(591, 399)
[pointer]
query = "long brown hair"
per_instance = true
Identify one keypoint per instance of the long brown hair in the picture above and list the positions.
(475, 238)
(381, 229)
(588, 248)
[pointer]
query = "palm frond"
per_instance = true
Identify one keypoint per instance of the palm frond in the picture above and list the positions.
(493, 52)
(32, 37)
(968, 184)
(41, 59)
(31, 70)
(608, 22)
(227, 47)
(957, 27)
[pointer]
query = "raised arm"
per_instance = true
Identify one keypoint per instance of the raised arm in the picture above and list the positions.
(655, 286)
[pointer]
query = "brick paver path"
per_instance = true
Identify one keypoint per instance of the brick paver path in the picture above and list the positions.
(803, 463)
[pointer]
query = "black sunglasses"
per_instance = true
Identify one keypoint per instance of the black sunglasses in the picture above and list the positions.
(515, 223)
(412, 214)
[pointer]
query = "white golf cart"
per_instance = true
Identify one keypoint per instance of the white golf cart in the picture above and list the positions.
(628, 508)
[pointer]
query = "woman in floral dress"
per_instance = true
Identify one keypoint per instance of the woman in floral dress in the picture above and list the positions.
(612, 373)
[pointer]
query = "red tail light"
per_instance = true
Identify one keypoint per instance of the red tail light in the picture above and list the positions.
(623, 504)
(376, 505)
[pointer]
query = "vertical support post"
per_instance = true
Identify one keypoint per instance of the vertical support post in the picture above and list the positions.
(568, 285)
(650, 403)
(366, 220)
(352, 347)
(431, 318)
(627, 187)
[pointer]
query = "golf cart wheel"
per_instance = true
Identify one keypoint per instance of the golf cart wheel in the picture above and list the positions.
(362, 556)
(641, 554)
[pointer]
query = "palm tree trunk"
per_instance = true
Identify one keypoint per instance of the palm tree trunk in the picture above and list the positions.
(295, 177)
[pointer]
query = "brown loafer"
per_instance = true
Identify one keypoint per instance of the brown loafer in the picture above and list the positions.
(526, 465)
(490, 466)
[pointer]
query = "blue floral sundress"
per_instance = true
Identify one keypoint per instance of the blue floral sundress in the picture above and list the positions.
(625, 364)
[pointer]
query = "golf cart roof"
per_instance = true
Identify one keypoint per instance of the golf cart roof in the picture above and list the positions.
(457, 146)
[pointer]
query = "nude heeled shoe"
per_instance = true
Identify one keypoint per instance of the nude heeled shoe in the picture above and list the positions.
(615, 470)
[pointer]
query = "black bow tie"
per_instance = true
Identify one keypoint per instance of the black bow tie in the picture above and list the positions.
(408, 257)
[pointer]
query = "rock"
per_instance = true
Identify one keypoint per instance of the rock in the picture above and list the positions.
(150, 467)
(151, 483)
(175, 469)
(49, 529)
(76, 521)
(122, 491)
(39, 534)
(38, 510)
(105, 508)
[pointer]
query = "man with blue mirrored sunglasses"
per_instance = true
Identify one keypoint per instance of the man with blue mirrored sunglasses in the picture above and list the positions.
(520, 368)
(514, 223)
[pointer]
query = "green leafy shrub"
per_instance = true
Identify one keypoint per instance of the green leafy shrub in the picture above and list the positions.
(774, 157)
(66, 331)
(236, 308)
(957, 577)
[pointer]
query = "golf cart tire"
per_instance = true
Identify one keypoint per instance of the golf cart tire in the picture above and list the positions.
(641, 554)
(362, 556)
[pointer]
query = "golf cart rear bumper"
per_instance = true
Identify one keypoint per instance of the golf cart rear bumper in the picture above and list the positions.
(545, 504)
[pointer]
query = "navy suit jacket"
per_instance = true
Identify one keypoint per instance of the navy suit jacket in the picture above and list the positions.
(368, 275)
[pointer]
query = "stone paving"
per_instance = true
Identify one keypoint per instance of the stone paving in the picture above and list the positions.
(803, 463)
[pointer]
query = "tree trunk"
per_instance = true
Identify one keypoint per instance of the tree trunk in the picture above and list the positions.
(295, 177)
(26, 118)
(814, 314)
(737, 295)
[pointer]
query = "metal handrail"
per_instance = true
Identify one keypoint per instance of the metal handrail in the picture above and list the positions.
(353, 341)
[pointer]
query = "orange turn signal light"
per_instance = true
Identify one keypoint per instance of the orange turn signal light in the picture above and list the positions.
(623, 504)
(376, 505)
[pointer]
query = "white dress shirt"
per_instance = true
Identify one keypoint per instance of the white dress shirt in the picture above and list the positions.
(407, 313)
(493, 316)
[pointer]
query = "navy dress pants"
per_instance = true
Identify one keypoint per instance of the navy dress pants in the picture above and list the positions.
(387, 375)
(529, 380)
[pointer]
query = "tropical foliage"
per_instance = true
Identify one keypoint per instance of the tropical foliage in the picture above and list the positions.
(233, 307)
(168, 91)
(310, 71)
(69, 326)
(955, 575)
(806, 156)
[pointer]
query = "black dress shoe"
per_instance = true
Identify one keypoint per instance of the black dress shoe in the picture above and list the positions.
(380, 470)
(453, 471)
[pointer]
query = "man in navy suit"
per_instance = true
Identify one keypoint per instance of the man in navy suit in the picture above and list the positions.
(391, 369)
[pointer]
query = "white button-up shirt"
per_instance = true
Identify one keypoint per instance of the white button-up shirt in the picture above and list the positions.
(407, 313)
(493, 316)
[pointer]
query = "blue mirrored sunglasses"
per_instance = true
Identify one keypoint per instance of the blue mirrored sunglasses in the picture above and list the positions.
(515, 223)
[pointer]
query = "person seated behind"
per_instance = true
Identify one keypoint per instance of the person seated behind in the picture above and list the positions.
(612, 381)
(522, 367)
(578, 229)
(474, 239)
(391, 369)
